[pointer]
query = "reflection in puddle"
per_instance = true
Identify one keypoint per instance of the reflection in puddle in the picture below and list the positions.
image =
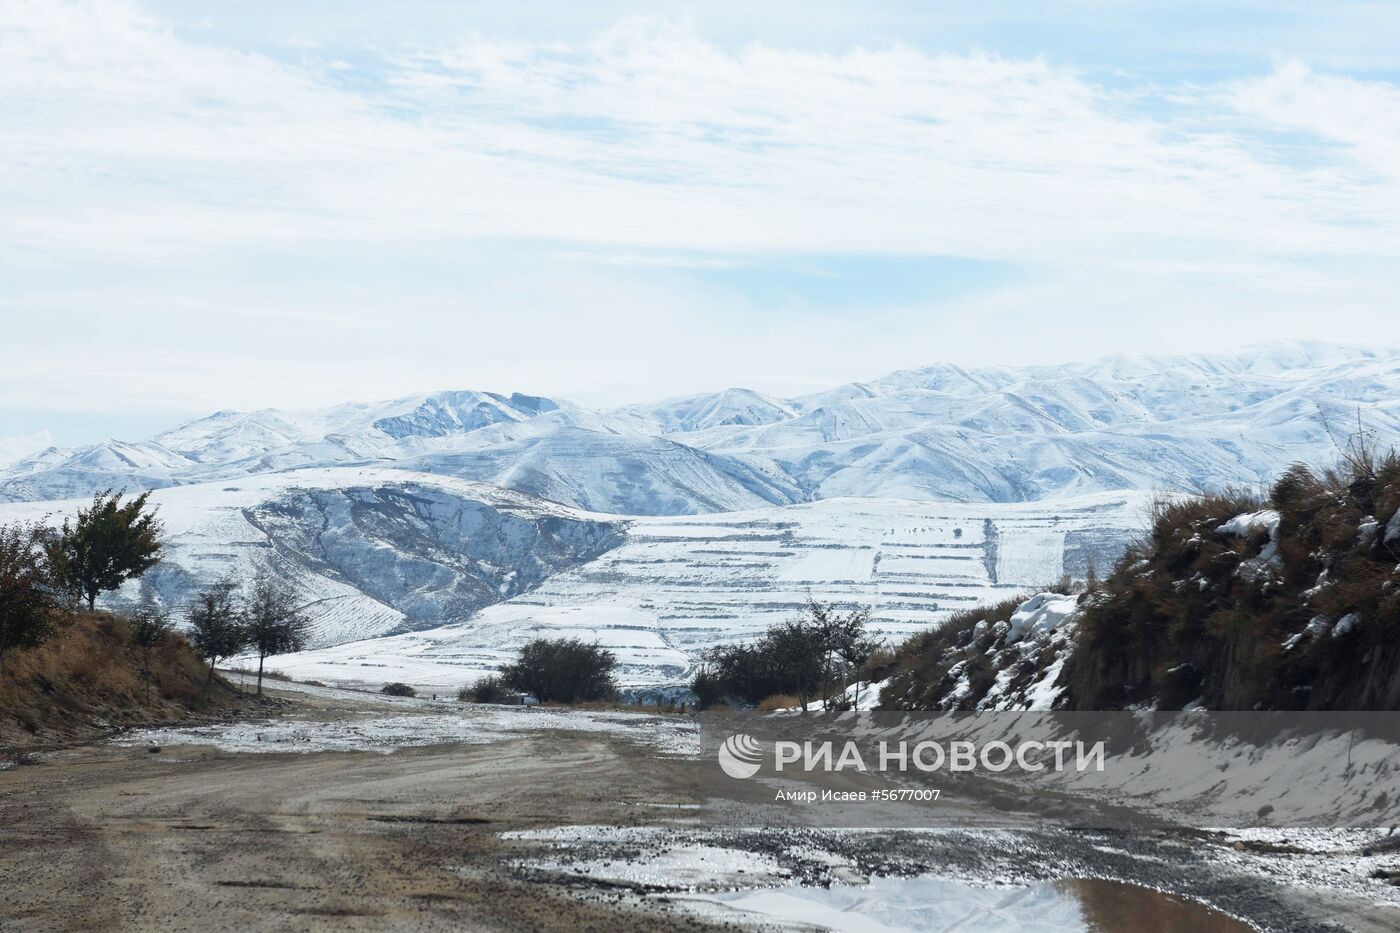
(1112, 906)
(886, 905)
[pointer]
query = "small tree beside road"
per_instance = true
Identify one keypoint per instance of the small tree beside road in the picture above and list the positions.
(216, 628)
(109, 543)
(151, 625)
(274, 622)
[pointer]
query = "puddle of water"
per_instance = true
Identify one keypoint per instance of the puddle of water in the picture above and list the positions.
(906, 905)
(1115, 907)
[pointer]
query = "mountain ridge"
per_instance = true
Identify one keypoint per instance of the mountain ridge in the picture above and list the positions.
(942, 432)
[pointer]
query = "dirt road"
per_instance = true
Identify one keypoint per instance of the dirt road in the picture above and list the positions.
(105, 838)
(500, 830)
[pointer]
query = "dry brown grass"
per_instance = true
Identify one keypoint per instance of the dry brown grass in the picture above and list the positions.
(1193, 614)
(87, 680)
(778, 701)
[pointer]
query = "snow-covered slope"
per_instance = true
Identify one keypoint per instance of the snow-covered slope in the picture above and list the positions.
(940, 433)
(679, 585)
(710, 516)
(60, 474)
(371, 550)
(607, 472)
(1230, 602)
(729, 407)
(1007, 435)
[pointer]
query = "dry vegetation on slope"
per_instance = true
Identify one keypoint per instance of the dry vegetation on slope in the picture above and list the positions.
(88, 679)
(1232, 601)
(975, 660)
(1289, 602)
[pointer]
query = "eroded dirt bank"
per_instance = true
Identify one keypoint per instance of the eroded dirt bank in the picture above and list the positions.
(89, 680)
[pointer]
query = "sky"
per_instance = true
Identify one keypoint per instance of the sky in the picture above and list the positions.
(232, 204)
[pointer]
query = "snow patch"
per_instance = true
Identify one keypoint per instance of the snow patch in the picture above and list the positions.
(388, 724)
(905, 905)
(1248, 523)
(1041, 615)
(1392, 528)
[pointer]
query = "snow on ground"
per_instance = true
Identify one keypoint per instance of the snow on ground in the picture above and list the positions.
(861, 695)
(1247, 523)
(873, 880)
(1040, 615)
(896, 905)
(725, 883)
(677, 586)
(1242, 768)
(853, 879)
(422, 722)
(1032, 554)
(682, 865)
(1345, 861)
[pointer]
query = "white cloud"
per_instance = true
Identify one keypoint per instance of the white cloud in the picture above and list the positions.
(489, 208)
(645, 136)
(13, 448)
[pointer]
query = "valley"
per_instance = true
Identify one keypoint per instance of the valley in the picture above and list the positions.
(436, 581)
(432, 535)
(677, 586)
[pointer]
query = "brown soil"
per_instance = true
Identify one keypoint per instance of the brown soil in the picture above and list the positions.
(102, 837)
(87, 680)
(108, 838)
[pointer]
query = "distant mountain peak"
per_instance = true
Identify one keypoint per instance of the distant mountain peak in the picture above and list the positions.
(943, 431)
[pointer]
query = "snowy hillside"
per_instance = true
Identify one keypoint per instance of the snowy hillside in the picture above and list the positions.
(935, 434)
(1003, 435)
(372, 551)
(679, 585)
(662, 529)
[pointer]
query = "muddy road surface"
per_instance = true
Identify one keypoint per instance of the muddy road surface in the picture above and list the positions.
(352, 812)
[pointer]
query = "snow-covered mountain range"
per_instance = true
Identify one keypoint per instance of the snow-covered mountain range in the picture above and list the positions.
(461, 523)
(942, 433)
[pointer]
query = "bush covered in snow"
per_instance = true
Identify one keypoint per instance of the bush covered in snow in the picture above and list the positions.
(1004, 656)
